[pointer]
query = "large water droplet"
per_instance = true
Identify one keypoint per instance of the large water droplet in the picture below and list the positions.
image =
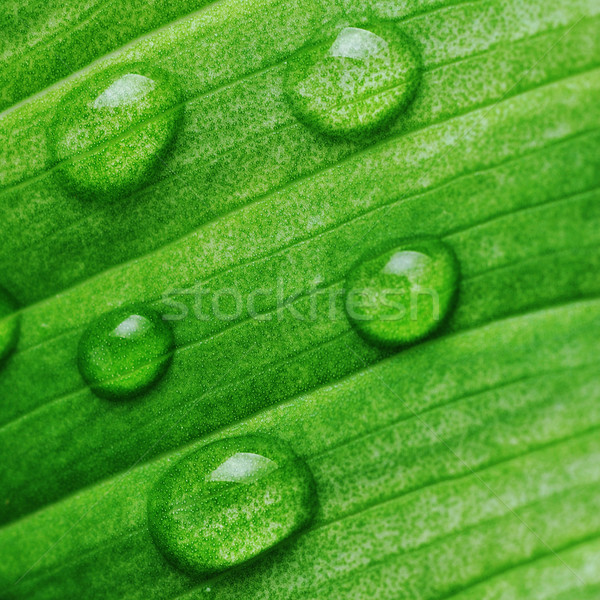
(229, 502)
(114, 129)
(125, 351)
(9, 324)
(355, 83)
(404, 294)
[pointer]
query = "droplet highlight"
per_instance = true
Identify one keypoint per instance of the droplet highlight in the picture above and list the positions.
(229, 502)
(402, 295)
(125, 352)
(356, 83)
(10, 325)
(114, 129)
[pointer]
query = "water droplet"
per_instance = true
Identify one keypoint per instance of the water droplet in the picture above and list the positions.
(125, 351)
(404, 294)
(229, 502)
(355, 83)
(9, 324)
(114, 129)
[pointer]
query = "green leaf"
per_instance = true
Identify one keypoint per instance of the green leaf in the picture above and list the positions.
(465, 466)
(58, 38)
(430, 462)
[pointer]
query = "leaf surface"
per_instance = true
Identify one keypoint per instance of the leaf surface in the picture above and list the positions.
(463, 467)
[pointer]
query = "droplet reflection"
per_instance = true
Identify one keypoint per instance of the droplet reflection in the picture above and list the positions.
(112, 130)
(230, 501)
(124, 352)
(355, 83)
(402, 295)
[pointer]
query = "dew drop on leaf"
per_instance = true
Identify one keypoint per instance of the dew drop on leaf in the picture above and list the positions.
(9, 324)
(125, 351)
(112, 131)
(355, 83)
(230, 501)
(403, 294)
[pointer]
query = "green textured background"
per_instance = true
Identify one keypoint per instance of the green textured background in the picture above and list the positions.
(464, 467)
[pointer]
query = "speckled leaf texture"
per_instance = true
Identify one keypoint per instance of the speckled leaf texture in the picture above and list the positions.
(466, 466)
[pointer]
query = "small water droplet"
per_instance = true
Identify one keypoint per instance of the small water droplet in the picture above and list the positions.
(9, 324)
(114, 128)
(229, 502)
(402, 295)
(125, 351)
(355, 83)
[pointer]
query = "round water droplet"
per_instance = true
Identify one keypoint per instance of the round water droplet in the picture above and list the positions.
(114, 129)
(404, 294)
(125, 351)
(9, 324)
(355, 83)
(229, 502)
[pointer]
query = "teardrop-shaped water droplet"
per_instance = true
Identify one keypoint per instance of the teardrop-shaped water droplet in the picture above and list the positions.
(402, 295)
(9, 324)
(125, 351)
(355, 83)
(113, 130)
(229, 502)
